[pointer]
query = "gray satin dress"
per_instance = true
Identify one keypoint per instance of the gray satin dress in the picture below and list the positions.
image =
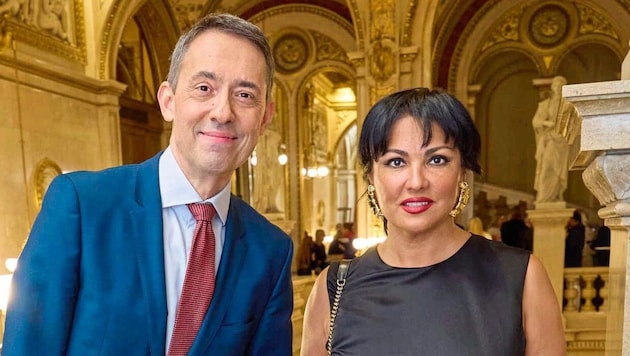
(469, 304)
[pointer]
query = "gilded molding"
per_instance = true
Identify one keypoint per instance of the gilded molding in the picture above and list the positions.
(377, 93)
(45, 172)
(6, 36)
(382, 19)
(549, 26)
(25, 29)
(343, 119)
(358, 62)
(187, 12)
(504, 31)
(541, 31)
(457, 53)
(592, 21)
(582, 345)
(291, 51)
(407, 26)
(291, 9)
(382, 60)
(118, 7)
(625, 4)
(409, 56)
(358, 24)
(328, 49)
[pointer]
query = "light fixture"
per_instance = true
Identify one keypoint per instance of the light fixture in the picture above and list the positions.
(253, 159)
(313, 167)
(282, 156)
(363, 243)
(5, 284)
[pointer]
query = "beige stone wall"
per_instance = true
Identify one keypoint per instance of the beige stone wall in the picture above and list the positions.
(48, 113)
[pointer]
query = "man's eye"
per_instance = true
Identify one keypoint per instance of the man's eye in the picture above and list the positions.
(204, 88)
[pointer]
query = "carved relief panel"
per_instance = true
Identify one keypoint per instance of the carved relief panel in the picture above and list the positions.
(54, 26)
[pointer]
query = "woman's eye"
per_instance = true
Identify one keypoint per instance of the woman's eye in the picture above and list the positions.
(395, 162)
(438, 160)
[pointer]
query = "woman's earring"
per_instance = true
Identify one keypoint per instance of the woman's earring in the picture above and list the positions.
(372, 201)
(462, 199)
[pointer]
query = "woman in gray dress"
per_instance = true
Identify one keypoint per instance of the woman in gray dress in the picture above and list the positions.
(431, 288)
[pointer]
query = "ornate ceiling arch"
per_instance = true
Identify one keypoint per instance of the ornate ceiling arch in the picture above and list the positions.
(158, 23)
(517, 25)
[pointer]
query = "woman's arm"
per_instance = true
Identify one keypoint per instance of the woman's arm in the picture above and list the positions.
(542, 320)
(316, 319)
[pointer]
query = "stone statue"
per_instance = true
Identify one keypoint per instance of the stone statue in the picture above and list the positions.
(552, 150)
(268, 173)
(15, 8)
(53, 17)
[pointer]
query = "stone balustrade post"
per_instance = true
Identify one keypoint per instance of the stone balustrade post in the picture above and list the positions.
(600, 128)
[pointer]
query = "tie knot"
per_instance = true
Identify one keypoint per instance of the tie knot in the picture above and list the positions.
(201, 211)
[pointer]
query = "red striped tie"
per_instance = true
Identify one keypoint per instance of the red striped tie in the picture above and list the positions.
(198, 283)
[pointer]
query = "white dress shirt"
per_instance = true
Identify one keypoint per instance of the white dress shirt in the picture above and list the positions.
(179, 227)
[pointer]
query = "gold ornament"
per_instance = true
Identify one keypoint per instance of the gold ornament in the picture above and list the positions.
(462, 199)
(373, 202)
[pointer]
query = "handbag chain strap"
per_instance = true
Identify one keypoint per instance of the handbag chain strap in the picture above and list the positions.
(341, 282)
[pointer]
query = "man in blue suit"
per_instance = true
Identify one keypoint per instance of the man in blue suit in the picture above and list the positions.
(103, 268)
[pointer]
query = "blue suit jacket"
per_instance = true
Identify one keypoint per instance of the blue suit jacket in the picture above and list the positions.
(90, 280)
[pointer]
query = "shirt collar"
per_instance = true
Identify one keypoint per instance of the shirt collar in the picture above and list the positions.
(175, 189)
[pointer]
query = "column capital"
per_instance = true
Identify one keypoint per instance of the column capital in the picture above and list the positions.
(602, 111)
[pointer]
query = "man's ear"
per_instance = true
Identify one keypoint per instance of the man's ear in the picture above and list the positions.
(166, 98)
(269, 111)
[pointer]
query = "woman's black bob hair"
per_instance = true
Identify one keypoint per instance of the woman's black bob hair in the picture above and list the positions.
(427, 107)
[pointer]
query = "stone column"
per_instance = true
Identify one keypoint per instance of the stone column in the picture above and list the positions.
(549, 220)
(601, 126)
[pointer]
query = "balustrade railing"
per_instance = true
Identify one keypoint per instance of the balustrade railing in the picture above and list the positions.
(585, 289)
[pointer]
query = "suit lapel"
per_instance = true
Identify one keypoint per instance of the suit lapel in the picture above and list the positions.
(146, 222)
(232, 259)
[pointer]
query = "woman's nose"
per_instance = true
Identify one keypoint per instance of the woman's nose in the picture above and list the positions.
(417, 178)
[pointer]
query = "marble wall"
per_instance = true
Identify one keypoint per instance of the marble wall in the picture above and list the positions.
(52, 119)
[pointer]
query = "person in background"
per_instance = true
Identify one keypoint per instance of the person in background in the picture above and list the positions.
(515, 232)
(430, 285)
(318, 251)
(574, 241)
(475, 226)
(133, 260)
(337, 248)
(495, 229)
(349, 250)
(305, 255)
(601, 246)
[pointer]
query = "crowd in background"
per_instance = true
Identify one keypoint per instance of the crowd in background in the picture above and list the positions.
(518, 231)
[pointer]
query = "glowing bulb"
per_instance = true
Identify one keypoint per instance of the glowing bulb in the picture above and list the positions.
(283, 159)
(10, 264)
(322, 171)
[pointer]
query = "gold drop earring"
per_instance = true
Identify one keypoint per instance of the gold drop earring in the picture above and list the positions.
(462, 199)
(373, 202)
